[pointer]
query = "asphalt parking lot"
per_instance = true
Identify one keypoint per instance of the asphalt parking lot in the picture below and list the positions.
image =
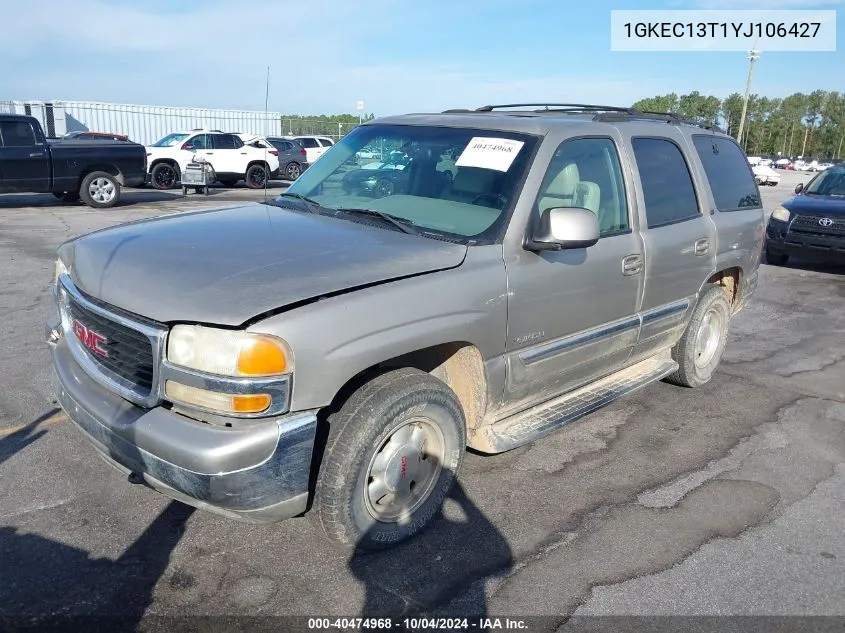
(725, 500)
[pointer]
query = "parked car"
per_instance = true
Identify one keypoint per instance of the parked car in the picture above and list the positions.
(315, 146)
(335, 354)
(782, 163)
(379, 179)
(70, 169)
(231, 159)
(765, 175)
(97, 135)
(293, 159)
(811, 224)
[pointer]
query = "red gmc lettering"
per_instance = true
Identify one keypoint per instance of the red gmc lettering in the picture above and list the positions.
(90, 339)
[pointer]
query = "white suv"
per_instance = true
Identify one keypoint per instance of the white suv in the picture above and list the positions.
(315, 146)
(231, 158)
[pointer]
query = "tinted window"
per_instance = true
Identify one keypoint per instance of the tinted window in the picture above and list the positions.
(586, 173)
(730, 177)
(326, 142)
(308, 142)
(667, 184)
(17, 133)
(226, 141)
(200, 141)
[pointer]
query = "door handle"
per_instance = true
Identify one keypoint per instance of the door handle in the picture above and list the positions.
(701, 247)
(36, 154)
(632, 264)
(209, 153)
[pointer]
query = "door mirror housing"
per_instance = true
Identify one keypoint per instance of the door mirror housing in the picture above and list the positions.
(565, 228)
(799, 187)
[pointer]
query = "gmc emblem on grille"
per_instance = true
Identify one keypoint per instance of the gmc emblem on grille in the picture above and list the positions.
(826, 222)
(90, 339)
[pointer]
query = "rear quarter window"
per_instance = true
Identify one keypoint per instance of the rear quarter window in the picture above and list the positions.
(668, 190)
(728, 173)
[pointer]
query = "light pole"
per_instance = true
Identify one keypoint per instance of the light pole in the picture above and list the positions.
(753, 56)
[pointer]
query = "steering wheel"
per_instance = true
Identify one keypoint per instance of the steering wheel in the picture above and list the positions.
(499, 201)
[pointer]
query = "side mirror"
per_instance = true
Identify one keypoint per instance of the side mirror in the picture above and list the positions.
(563, 228)
(799, 187)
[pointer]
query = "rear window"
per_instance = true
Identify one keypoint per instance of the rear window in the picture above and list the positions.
(308, 142)
(16, 134)
(730, 177)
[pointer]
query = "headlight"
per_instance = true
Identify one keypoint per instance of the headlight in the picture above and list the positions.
(61, 269)
(239, 370)
(780, 214)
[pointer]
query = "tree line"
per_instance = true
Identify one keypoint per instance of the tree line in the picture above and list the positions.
(809, 125)
(334, 125)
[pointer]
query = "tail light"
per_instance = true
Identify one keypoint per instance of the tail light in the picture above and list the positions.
(274, 152)
(302, 152)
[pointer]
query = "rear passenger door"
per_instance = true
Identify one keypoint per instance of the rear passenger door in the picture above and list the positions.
(678, 237)
(227, 154)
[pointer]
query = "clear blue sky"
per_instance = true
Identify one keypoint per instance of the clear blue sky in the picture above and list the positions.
(396, 56)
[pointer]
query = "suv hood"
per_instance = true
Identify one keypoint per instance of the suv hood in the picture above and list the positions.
(227, 266)
(826, 205)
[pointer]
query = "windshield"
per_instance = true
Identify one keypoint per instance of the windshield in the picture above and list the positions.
(457, 182)
(828, 183)
(170, 140)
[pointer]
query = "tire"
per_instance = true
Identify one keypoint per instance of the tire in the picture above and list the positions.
(164, 176)
(697, 359)
(100, 190)
(383, 188)
(201, 190)
(776, 259)
(256, 176)
(228, 183)
(293, 171)
(393, 415)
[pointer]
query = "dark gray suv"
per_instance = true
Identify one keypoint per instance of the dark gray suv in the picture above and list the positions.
(293, 159)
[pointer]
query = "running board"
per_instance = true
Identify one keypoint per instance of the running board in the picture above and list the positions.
(542, 420)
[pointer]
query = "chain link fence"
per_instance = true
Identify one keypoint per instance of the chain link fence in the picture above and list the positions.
(147, 124)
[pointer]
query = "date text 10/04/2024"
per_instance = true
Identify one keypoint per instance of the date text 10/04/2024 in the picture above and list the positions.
(721, 29)
(417, 624)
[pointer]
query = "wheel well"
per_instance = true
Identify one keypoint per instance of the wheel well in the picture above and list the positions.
(169, 161)
(263, 163)
(458, 364)
(729, 280)
(109, 169)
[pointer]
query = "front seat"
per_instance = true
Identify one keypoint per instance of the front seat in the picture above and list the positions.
(561, 190)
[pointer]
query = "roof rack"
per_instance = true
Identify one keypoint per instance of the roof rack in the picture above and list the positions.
(602, 113)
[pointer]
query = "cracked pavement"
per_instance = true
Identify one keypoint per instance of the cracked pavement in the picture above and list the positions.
(724, 500)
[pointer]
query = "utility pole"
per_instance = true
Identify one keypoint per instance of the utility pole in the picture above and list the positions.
(753, 56)
(804, 146)
(840, 147)
(791, 136)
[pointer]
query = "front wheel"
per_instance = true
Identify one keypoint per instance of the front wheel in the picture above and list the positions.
(392, 455)
(100, 190)
(164, 176)
(699, 351)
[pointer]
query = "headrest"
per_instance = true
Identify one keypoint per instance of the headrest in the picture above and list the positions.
(563, 185)
(473, 180)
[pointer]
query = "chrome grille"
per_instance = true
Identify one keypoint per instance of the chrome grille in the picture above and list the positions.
(124, 357)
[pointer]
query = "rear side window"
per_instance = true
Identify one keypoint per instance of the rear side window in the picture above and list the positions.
(308, 142)
(728, 172)
(326, 142)
(16, 134)
(667, 184)
(226, 141)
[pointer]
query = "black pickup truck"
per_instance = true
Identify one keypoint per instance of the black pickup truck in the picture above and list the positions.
(70, 169)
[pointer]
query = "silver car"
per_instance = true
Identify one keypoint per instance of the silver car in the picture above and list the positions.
(336, 353)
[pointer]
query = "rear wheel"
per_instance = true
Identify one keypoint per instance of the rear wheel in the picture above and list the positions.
(699, 351)
(392, 455)
(164, 176)
(100, 190)
(256, 176)
(293, 171)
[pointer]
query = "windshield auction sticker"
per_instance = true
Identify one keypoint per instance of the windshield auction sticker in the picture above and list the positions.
(489, 153)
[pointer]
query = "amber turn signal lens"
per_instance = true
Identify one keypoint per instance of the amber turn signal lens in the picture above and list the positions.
(250, 404)
(261, 357)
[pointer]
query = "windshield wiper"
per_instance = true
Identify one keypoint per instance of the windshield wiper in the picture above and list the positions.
(406, 226)
(312, 205)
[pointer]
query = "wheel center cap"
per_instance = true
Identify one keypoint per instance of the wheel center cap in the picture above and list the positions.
(401, 468)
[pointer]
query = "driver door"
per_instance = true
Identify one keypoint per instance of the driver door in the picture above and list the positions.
(572, 314)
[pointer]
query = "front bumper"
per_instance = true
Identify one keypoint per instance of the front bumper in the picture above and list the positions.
(780, 240)
(257, 472)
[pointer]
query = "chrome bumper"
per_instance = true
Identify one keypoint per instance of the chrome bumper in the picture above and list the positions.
(258, 471)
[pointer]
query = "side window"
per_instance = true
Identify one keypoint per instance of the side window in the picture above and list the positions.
(224, 141)
(728, 173)
(326, 142)
(586, 173)
(200, 141)
(17, 134)
(667, 184)
(308, 142)
(286, 146)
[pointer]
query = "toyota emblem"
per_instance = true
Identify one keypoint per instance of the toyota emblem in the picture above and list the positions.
(826, 222)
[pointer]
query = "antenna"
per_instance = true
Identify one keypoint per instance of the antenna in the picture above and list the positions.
(266, 134)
